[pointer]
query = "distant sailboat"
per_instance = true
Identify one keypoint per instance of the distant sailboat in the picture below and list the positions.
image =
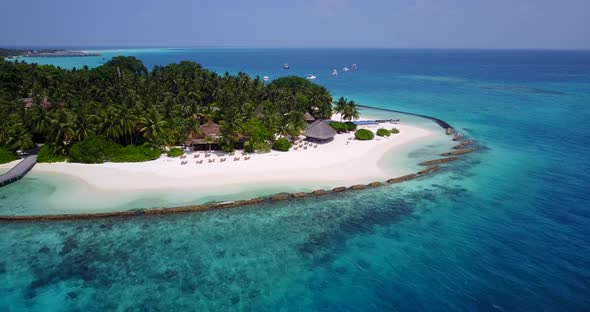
(286, 66)
(334, 72)
(345, 69)
(354, 67)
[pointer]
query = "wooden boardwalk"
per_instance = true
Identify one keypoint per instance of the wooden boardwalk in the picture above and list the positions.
(18, 171)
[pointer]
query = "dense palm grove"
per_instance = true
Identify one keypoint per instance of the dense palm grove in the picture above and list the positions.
(123, 103)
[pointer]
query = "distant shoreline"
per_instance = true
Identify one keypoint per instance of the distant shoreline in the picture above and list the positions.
(17, 53)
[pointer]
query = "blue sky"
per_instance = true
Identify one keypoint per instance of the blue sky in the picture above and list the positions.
(300, 23)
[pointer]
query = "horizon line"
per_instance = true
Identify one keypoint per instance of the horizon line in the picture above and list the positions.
(78, 47)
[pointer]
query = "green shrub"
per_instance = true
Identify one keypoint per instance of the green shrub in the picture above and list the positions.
(338, 126)
(364, 134)
(228, 148)
(262, 147)
(175, 152)
(93, 150)
(282, 144)
(50, 153)
(7, 156)
(350, 125)
(394, 131)
(383, 132)
(132, 153)
(248, 147)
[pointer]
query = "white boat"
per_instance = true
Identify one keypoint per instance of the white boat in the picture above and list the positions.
(311, 77)
(354, 66)
(334, 72)
(266, 78)
(286, 66)
(345, 69)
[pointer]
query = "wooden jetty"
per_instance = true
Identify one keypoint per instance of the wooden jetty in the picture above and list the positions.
(18, 171)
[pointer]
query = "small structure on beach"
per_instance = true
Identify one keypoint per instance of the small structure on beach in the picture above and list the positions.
(319, 131)
(209, 134)
(308, 117)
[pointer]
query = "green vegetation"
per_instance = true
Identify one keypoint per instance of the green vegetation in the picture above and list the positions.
(97, 149)
(394, 130)
(383, 132)
(50, 153)
(92, 150)
(7, 156)
(364, 135)
(343, 126)
(350, 125)
(282, 144)
(132, 153)
(348, 109)
(175, 152)
(127, 105)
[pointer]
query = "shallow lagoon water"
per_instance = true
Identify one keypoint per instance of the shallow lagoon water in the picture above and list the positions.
(507, 229)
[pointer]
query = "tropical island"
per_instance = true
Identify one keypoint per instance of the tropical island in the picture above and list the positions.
(15, 53)
(121, 127)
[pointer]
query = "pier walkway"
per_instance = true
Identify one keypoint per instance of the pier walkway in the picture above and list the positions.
(439, 122)
(18, 171)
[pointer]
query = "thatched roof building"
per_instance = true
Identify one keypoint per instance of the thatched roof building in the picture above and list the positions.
(209, 129)
(319, 130)
(308, 117)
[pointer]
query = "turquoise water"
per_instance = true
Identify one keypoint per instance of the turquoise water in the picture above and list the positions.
(508, 229)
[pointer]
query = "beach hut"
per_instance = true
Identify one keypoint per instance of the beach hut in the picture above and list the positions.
(210, 132)
(319, 131)
(309, 118)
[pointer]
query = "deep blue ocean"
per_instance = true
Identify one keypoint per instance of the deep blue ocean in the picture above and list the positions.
(506, 229)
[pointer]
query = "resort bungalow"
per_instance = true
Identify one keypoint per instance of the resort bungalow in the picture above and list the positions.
(308, 118)
(319, 131)
(207, 139)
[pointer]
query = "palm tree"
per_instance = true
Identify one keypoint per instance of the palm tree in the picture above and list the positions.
(351, 111)
(40, 119)
(62, 127)
(341, 104)
(153, 127)
(111, 126)
(84, 125)
(20, 138)
(128, 121)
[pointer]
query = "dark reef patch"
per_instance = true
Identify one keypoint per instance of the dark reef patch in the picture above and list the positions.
(521, 89)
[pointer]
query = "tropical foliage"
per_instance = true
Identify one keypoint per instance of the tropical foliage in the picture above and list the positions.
(282, 144)
(6, 156)
(343, 126)
(50, 153)
(125, 104)
(175, 152)
(348, 109)
(383, 132)
(394, 130)
(364, 135)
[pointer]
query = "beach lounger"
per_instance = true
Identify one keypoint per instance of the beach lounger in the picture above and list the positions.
(236, 158)
(246, 158)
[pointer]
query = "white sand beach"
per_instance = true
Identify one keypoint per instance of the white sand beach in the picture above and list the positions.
(344, 161)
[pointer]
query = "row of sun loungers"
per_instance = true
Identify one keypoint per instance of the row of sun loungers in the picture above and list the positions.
(212, 160)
